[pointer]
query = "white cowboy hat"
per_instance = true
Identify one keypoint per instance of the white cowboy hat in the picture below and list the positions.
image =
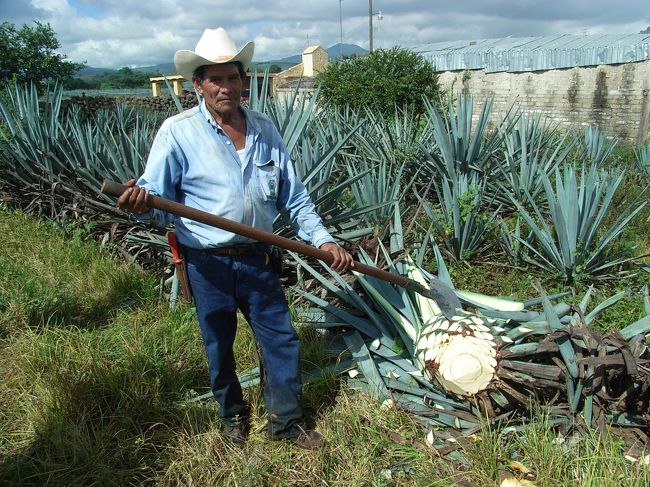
(214, 47)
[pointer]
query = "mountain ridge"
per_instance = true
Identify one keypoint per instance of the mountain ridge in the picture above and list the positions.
(334, 53)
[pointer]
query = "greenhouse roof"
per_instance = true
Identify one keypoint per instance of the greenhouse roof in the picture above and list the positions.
(517, 54)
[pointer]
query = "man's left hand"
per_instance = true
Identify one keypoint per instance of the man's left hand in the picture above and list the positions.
(341, 259)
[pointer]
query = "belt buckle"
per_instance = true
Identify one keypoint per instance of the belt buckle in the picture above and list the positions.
(236, 251)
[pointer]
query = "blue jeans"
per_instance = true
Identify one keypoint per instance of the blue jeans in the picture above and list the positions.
(222, 284)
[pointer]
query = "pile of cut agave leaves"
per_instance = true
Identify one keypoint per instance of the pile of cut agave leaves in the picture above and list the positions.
(495, 362)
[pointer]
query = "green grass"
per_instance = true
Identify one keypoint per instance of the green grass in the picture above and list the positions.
(47, 277)
(94, 392)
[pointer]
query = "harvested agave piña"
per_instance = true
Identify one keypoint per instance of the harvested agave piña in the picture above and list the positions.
(459, 353)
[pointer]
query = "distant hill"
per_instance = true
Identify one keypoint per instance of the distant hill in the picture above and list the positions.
(334, 53)
(165, 68)
(88, 71)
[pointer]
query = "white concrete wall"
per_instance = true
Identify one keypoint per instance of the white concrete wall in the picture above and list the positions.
(613, 97)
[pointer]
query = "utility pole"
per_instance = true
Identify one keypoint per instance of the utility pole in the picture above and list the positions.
(370, 23)
(341, 26)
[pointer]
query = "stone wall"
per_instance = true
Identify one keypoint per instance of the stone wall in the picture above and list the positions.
(90, 104)
(613, 97)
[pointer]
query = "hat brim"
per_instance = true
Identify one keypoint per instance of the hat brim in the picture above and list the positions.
(187, 61)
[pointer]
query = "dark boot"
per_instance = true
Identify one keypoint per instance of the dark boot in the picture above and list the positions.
(235, 433)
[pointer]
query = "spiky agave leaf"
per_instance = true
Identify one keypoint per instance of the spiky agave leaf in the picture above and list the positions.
(642, 154)
(595, 146)
(574, 242)
(530, 149)
(463, 145)
(460, 222)
(429, 309)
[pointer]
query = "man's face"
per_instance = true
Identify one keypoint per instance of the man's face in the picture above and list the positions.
(221, 88)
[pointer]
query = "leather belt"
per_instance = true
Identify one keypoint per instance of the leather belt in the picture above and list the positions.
(238, 251)
(233, 251)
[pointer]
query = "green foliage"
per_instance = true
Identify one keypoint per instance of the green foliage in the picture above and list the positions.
(382, 80)
(101, 399)
(28, 54)
(530, 148)
(123, 78)
(88, 83)
(539, 455)
(462, 223)
(595, 146)
(642, 154)
(460, 145)
(112, 145)
(103, 402)
(126, 78)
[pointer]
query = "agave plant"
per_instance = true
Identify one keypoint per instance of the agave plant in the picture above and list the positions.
(397, 139)
(642, 154)
(529, 150)
(28, 132)
(55, 162)
(510, 235)
(595, 147)
(495, 358)
(530, 130)
(461, 222)
(461, 145)
(575, 243)
(113, 144)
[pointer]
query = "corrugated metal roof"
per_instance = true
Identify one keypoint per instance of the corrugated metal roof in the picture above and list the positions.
(516, 54)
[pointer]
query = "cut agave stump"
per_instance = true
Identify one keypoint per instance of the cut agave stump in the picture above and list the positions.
(460, 353)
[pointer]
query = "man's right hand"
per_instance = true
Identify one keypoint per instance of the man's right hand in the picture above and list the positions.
(134, 199)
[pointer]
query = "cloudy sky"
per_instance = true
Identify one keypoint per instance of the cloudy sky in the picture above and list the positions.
(116, 33)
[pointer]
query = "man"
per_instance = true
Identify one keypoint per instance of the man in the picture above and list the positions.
(230, 161)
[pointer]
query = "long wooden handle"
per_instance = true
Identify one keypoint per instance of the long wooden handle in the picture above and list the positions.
(116, 189)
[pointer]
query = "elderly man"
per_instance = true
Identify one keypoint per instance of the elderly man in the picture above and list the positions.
(222, 158)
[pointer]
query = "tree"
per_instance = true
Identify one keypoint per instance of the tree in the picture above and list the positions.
(28, 54)
(381, 80)
(126, 78)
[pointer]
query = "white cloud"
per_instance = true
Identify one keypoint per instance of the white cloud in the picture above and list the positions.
(115, 33)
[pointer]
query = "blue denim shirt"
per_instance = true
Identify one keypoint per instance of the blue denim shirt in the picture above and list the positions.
(192, 161)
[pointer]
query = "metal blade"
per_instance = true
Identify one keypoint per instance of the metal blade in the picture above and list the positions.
(442, 294)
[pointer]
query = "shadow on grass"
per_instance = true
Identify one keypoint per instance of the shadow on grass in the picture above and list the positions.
(107, 408)
(38, 309)
(115, 423)
(111, 428)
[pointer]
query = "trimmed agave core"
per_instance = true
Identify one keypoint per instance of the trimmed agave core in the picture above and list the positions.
(459, 353)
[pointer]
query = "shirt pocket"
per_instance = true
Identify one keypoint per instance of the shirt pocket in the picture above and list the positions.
(268, 179)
